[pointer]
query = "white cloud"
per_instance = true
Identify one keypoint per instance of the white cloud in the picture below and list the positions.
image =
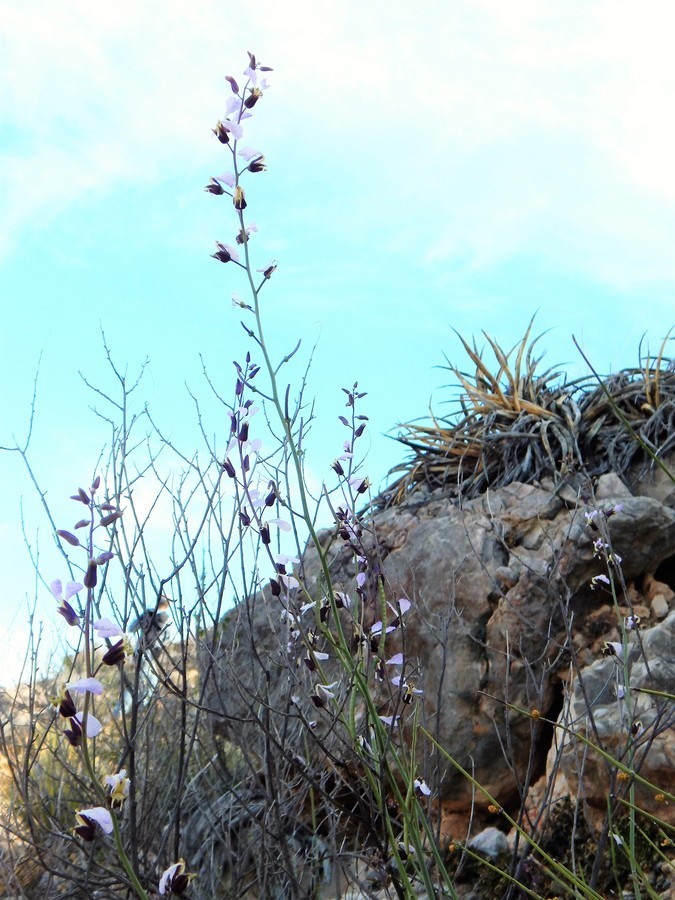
(511, 128)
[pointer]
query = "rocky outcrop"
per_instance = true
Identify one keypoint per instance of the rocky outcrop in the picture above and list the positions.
(505, 636)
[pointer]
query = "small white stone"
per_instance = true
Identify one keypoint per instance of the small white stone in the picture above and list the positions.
(491, 841)
(659, 606)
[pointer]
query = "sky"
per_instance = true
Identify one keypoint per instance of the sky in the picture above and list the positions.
(442, 167)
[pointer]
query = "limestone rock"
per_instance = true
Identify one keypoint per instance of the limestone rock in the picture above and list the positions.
(503, 623)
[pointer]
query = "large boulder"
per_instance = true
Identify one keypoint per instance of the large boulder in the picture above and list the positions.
(504, 622)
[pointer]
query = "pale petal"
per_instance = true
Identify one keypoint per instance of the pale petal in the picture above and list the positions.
(100, 815)
(93, 685)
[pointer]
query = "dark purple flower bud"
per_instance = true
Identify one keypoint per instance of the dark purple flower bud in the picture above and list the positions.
(104, 558)
(88, 828)
(257, 164)
(336, 466)
(223, 254)
(243, 433)
(254, 371)
(81, 496)
(239, 388)
(107, 507)
(271, 498)
(229, 468)
(275, 587)
(81, 524)
(221, 133)
(233, 84)
(115, 654)
(68, 538)
(244, 518)
(97, 483)
(265, 534)
(214, 187)
(251, 60)
(67, 707)
(74, 733)
(246, 463)
(311, 665)
(68, 613)
(324, 612)
(238, 198)
(281, 568)
(359, 431)
(344, 421)
(374, 644)
(110, 518)
(253, 98)
(363, 487)
(179, 884)
(91, 575)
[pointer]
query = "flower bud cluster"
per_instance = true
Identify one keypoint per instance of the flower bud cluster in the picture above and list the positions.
(244, 160)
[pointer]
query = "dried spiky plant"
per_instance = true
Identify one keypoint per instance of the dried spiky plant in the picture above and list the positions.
(518, 424)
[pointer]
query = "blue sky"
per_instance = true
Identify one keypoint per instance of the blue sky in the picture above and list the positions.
(452, 165)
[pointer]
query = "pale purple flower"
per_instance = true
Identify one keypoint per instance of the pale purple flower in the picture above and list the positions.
(269, 269)
(248, 154)
(282, 559)
(234, 128)
(421, 786)
(613, 648)
(281, 524)
(225, 253)
(72, 588)
(225, 178)
(289, 582)
(392, 721)
(359, 483)
(361, 579)
(92, 685)
(396, 660)
(97, 816)
(174, 879)
(342, 600)
(599, 579)
(326, 690)
(403, 605)
(252, 75)
(94, 727)
(107, 629)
